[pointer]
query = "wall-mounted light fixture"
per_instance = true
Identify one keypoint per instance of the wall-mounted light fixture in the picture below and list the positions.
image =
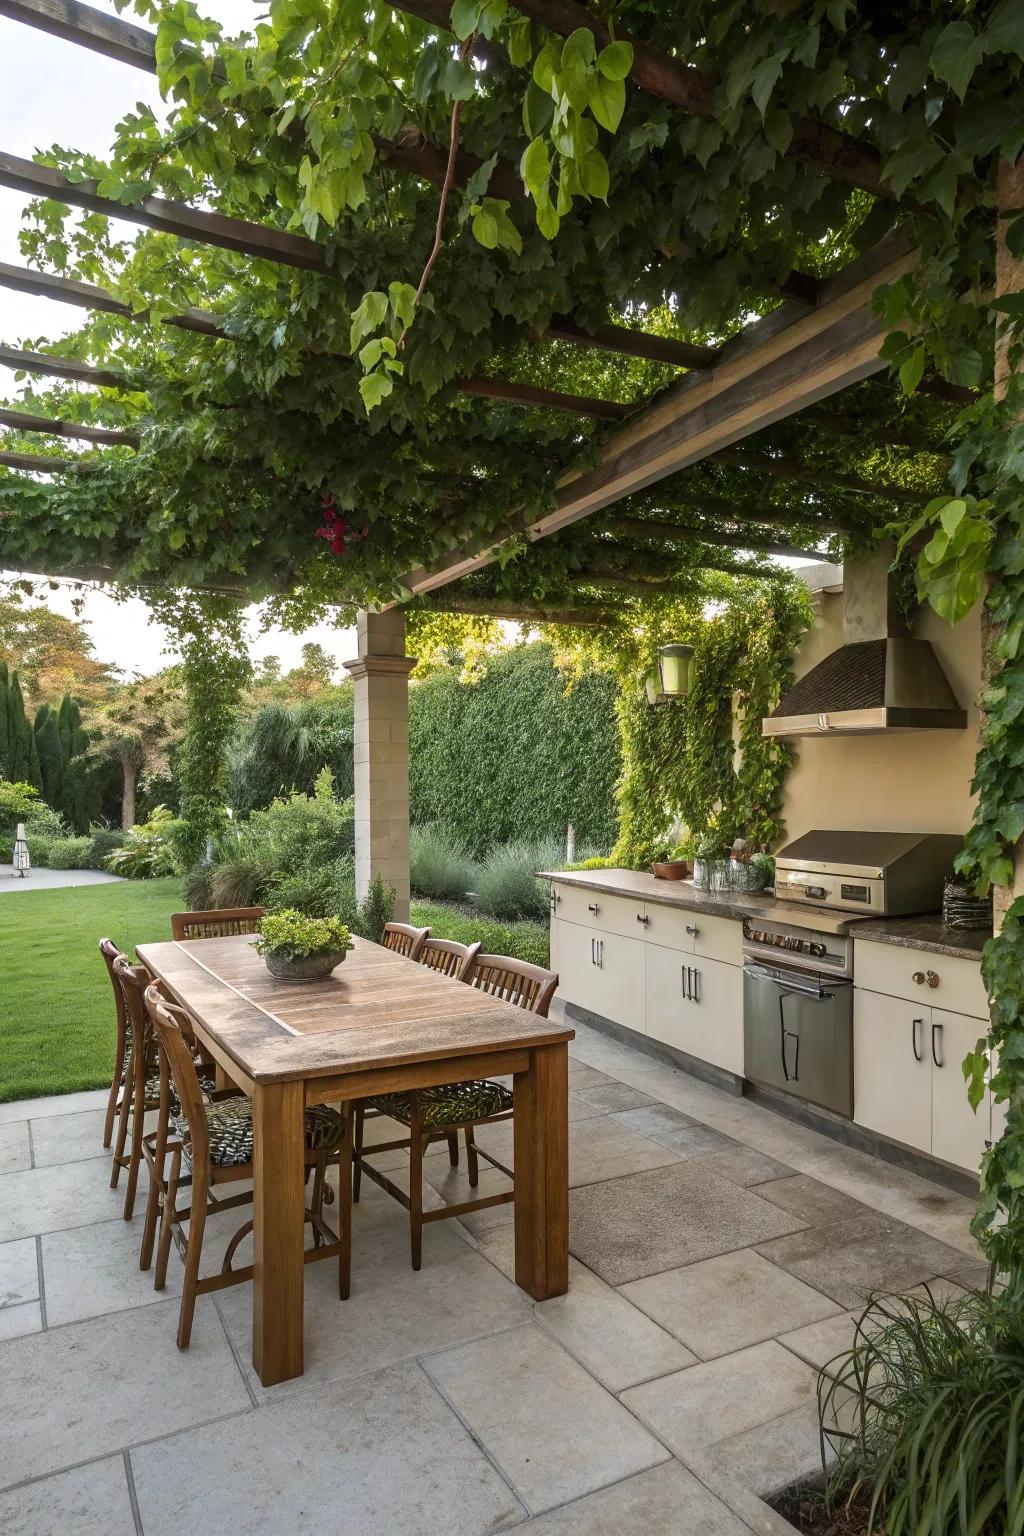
(670, 679)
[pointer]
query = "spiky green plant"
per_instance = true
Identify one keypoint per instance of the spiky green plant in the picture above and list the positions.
(927, 1411)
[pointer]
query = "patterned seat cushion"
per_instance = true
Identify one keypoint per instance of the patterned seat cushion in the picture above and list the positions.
(448, 1104)
(230, 1126)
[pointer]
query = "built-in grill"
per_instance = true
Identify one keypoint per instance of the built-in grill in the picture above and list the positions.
(798, 954)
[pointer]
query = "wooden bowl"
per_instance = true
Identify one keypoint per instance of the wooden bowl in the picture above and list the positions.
(672, 869)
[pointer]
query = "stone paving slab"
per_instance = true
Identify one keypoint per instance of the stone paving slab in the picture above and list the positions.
(629, 1227)
(87, 1501)
(848, 1259)
(666, 1501)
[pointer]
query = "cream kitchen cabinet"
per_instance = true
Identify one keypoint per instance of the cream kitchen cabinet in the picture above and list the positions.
(908, 1083)
(602, 972)
(695, 1005)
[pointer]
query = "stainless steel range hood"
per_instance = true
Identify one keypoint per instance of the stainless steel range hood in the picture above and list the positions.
(879, 679)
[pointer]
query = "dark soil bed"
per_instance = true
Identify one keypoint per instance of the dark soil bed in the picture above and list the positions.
(806, 1509)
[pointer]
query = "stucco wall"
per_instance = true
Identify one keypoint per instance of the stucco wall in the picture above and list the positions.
(913, 782)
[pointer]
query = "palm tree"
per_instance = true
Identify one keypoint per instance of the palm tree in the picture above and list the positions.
(137, 726)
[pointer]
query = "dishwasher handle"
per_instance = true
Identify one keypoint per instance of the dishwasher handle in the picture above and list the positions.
(802, 986)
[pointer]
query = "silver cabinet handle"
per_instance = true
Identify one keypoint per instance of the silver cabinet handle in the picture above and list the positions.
(915, 1024)
(641, 919)
(597, 953)
(593, 907)
(692, 930)
(935, 1058)
(690, 978)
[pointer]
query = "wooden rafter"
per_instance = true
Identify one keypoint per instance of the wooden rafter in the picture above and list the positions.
(773, 369)
(796, 472)
(112, 437)
(675, 533)
(683, 500)
(549, 399)
(524, 613)
(42, 464)
(67, 290)
(618, 338)
(61, 368)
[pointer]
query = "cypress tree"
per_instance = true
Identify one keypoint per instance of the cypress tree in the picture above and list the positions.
(5, 730)
(50, 749)
(82, 794)
(20, 741)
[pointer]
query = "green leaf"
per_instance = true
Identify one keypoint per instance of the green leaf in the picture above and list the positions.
(593, 169)
(519, 42)
(607, 101)
(402, 297)
(912, 370)
(476, 186)
(374, 387)
(778, 129)
(465, 15)
(545, 65)
(1005, 30)
(765, 76)
(547, 221)
(952, 515)
(535, 167)
(579, 47)
(370, 314)
(615, 61)
(369, 355)
(485, 228)
(955, 55)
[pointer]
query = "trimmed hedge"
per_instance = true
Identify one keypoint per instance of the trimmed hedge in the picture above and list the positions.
(516, 755)
(523, 941)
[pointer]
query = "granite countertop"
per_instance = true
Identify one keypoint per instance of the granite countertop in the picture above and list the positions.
(670, 893)
(927, 932)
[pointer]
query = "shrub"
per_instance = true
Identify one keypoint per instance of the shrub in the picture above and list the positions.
(199, 888)
(302, 831)
(104, 841)
(926, 1411)
(291, 935)
(325, 892)
(242, 881)
(507, 885)
(523, 941)
(21, 803)
(148, 850)
(375, 909)
(439, 863)
(70, 853)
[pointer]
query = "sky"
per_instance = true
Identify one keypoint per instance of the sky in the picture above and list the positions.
(53, 92)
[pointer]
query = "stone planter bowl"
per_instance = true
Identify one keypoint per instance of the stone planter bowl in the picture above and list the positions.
(671, 869)
(303, 967)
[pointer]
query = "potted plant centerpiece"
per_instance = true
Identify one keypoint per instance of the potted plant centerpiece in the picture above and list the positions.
(301, 948)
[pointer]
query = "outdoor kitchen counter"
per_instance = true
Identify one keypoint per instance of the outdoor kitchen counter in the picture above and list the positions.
(670, 893)
(923, 933)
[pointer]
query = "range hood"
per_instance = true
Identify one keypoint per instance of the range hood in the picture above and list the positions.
(879, 679)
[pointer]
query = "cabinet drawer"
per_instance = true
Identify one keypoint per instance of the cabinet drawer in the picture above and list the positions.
(602, 972)
(715, 938)
(890, 970)
(593, 909)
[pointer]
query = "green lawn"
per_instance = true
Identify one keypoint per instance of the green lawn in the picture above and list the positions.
(56, 1010)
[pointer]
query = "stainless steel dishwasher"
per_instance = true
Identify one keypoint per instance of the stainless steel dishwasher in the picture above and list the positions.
(798, 1014)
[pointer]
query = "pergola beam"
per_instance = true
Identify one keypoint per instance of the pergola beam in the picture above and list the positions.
(619, 338)
(520, 613)
(662, 532)
(61, 368)
(798, 473)
(113, 437)
(68, 290)
(258, 240)
(527, 395)
(42, 464)
(88, 28)
(773, 369)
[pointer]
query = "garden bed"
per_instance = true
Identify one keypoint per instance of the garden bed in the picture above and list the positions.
(807, 1510)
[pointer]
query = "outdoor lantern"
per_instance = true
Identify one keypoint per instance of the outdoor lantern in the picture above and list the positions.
(21, 862)
(671, 678)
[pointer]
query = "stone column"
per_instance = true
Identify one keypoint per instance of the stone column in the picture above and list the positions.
(381, 754)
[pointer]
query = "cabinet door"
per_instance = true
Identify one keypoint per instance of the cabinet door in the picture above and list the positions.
(603, 973)
(892, 1088)
(959, 1135)
(695, 1005)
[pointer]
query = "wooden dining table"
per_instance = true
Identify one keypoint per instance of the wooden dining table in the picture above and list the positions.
(380, 1024)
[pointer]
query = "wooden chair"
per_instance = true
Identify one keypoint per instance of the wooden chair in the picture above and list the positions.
(435, 1114)
(404, 939)
(216, 924)
(210, 1144)
(122, 1048)
(448, 957)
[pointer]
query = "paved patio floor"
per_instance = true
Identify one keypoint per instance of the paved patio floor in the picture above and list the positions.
(719, 1252)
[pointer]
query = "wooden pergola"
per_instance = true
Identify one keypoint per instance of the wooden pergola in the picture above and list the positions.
(711, 470)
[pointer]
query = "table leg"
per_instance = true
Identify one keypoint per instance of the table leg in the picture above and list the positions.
(278, 1230)
(541, 1130)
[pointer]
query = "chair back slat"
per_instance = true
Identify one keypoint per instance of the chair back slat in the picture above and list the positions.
(404, 939)
(448, 957)
(515, 981)
(173, 1029)
(111, 953)
(217, 924)
(132, 981)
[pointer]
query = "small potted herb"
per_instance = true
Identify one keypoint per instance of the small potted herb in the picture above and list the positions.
(675, 862)
(301, 948)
